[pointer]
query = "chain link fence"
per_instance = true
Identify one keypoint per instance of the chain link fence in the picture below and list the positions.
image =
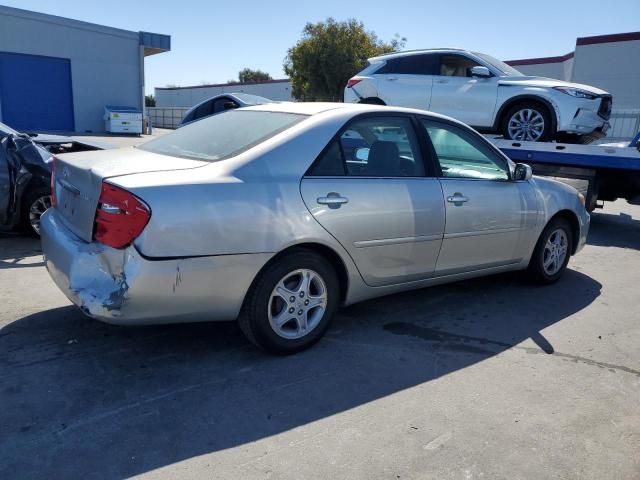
(166, 117)
(625, 124)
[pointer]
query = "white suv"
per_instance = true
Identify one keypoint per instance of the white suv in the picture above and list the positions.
(485, 93)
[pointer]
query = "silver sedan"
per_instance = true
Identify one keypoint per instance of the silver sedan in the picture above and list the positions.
(277, 214)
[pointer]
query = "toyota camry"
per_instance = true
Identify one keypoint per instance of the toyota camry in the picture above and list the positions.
(276, 215)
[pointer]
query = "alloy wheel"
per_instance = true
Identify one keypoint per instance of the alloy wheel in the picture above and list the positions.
(36, 209)
(297, 304)
(526, 125)
(555, 252)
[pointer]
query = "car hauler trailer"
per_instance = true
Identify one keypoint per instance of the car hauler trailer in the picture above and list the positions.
(600, 172)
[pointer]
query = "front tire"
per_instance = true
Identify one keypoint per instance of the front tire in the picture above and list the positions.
(36, 202)
(552, 252)
(527, 122)
(291, 303)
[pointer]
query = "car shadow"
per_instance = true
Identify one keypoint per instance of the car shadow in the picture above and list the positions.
(610, 230)
(15, 248)
(130, 400)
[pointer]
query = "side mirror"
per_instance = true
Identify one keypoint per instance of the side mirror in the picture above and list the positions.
(362, 154)
(482, 72)
(522, 172)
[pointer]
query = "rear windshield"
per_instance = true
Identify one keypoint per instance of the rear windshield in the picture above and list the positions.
(222, 136)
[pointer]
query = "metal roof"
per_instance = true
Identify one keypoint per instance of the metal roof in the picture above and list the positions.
(152, 42)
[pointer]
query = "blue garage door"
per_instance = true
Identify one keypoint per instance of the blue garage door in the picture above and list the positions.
(35, 92)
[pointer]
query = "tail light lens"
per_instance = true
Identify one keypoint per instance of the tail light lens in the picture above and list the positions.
(53, 182)
(120, 217)
(353, 81)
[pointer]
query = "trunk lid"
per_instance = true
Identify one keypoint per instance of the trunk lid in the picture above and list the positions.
(79, 179)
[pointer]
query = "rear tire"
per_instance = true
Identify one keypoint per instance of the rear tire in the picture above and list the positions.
(372, 101)
(291, 303)
(527, 122)
(552, 252)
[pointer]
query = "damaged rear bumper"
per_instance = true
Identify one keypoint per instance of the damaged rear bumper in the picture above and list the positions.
(123, 287)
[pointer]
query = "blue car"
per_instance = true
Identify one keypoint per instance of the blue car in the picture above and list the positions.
(221, 103)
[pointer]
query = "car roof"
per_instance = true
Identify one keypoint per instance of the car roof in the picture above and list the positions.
(315, 108)
(303, 108)
(407, 53)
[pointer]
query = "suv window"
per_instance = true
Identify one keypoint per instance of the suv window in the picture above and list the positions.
(456, 66)
(424, 64)
(460, 155)
(373, 147)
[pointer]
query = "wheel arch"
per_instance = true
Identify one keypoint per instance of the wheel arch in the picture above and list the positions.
(372, 101)
(320, 249)
(502, 111)
(572, 218)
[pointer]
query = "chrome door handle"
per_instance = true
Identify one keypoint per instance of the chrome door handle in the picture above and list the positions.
(332, 200)
(392, 79)
(442, 81)
(457, 198)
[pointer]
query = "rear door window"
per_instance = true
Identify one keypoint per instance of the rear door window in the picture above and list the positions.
(423, 64)
(373, 147)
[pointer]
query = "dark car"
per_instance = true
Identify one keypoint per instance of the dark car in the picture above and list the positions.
(25, 175)
(54, 143)
(221, 103)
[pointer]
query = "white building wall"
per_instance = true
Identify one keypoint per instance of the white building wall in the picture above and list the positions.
(190, 96)
(567, 67)
(614, 67)
(550, 70)
(105, 62)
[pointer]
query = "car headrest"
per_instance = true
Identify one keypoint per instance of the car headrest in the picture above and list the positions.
(384, 159)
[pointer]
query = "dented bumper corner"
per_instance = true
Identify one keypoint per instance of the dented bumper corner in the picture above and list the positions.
(120, 286)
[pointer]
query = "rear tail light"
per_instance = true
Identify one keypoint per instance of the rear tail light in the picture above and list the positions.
(353, 81)
(120, 217)
(53, 182)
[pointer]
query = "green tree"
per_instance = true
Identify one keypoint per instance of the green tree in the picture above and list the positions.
(328, 54)
(149, 101)
(247, 75)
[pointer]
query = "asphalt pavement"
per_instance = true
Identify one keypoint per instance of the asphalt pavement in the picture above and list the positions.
(491, 378)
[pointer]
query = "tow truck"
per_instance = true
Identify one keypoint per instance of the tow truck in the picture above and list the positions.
(601, 173)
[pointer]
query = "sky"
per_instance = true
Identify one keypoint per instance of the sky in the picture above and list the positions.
(211, 41)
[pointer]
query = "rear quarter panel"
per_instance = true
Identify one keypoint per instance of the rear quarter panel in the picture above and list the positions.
(247, 204)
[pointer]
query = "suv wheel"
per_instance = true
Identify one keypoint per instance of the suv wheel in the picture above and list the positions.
(527, 122)
(291, 304)
(372, 101)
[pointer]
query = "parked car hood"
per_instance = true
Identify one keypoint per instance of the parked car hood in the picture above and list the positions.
(530, 81)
